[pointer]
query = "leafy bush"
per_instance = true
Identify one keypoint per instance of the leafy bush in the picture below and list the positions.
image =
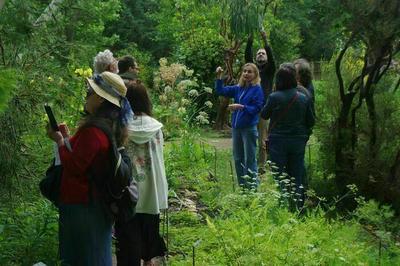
(29, 234)
(182, 102)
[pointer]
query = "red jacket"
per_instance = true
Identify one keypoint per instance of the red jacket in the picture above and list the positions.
(90, 150)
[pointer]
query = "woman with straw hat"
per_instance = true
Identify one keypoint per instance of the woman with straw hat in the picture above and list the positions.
(84, 226)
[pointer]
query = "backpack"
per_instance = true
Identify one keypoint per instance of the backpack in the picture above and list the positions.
(118, 187)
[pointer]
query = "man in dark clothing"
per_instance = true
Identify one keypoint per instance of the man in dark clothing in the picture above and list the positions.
(128, 70)
(266, 66)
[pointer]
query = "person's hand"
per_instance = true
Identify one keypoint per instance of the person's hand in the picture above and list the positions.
(56, 136)
(235, 106)
(64, 130)
(264, 144)
(263, 34)
(219, 72)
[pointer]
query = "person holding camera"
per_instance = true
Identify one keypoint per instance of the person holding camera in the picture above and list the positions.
(84, 223)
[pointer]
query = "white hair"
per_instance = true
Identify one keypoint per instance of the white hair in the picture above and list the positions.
(102, 61)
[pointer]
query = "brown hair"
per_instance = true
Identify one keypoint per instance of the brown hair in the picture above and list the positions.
(303, 71)
(256, 79)
(139, 99)
(285, 77)
(107, 115)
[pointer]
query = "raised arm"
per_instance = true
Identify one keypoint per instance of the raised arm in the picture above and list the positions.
(271, 67)
(228, 91)
(248, 53)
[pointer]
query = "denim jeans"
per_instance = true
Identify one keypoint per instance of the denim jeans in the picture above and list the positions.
(244, 153)
(84, 235)
(287, 154)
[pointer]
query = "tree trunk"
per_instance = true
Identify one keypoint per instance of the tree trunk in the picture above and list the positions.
(344, 157)
(222, 113)
(373, 127)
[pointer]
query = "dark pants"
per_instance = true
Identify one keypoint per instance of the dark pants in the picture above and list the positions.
(84, 235)
(287, 154)
(138, 239)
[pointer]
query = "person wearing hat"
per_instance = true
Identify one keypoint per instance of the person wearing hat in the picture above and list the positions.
(84, 226)
(128, 70)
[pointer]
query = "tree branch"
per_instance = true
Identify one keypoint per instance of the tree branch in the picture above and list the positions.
(338, 63)
(3, 56)
(397, 86)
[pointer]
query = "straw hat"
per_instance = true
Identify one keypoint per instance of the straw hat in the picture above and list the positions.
(109, 86)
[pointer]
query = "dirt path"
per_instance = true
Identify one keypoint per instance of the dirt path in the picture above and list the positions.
(222, 140)
(220, 143)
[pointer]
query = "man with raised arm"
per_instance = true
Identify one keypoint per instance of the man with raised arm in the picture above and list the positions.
(266, 67)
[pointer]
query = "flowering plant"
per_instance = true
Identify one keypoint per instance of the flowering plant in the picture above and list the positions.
(182, 101)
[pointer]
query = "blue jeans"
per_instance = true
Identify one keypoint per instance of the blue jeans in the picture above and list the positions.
(287, 154)
(244, 153)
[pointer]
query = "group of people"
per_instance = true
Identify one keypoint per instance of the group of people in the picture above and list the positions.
(116, 98)
(288, 103)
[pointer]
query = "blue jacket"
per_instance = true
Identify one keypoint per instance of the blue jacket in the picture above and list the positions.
(252, 98)
(297, 121)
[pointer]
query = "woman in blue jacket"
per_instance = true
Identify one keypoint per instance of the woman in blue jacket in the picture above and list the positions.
(291, 120)
(248, 101)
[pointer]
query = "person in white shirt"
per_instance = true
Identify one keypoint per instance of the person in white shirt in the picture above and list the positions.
(140, 238)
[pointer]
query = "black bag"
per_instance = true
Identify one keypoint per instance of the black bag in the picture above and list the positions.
(50, 184)
(118, 187)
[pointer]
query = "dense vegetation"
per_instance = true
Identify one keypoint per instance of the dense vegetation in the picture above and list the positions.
(353, 161)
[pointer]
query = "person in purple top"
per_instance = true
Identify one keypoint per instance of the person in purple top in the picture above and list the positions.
(248, 101)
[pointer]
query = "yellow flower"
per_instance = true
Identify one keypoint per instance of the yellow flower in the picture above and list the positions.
(50, 79)
(87, 73)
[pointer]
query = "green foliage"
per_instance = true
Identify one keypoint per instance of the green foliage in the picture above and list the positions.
(29, 234)
(253, 228)
(182, 101)
(136, 24)
(8, 82)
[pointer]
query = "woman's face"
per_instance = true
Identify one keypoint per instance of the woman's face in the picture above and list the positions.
(93, 101)
(248, 74)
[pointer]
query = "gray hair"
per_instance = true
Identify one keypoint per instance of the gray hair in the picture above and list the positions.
(102, 61)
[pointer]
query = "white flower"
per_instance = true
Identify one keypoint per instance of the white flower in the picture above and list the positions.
(181, 110)
(167, 89)
(184, 84)
(157, 81)
(209, 104)
(193, 93)
(188, 72)
(185, 101)
(202, 120)
(163, 61)
(208, 89)
(163, 98)
(203, 114)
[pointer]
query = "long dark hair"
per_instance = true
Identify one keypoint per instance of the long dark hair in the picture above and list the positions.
(139, 99)
(108, 115)
(285, 78)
